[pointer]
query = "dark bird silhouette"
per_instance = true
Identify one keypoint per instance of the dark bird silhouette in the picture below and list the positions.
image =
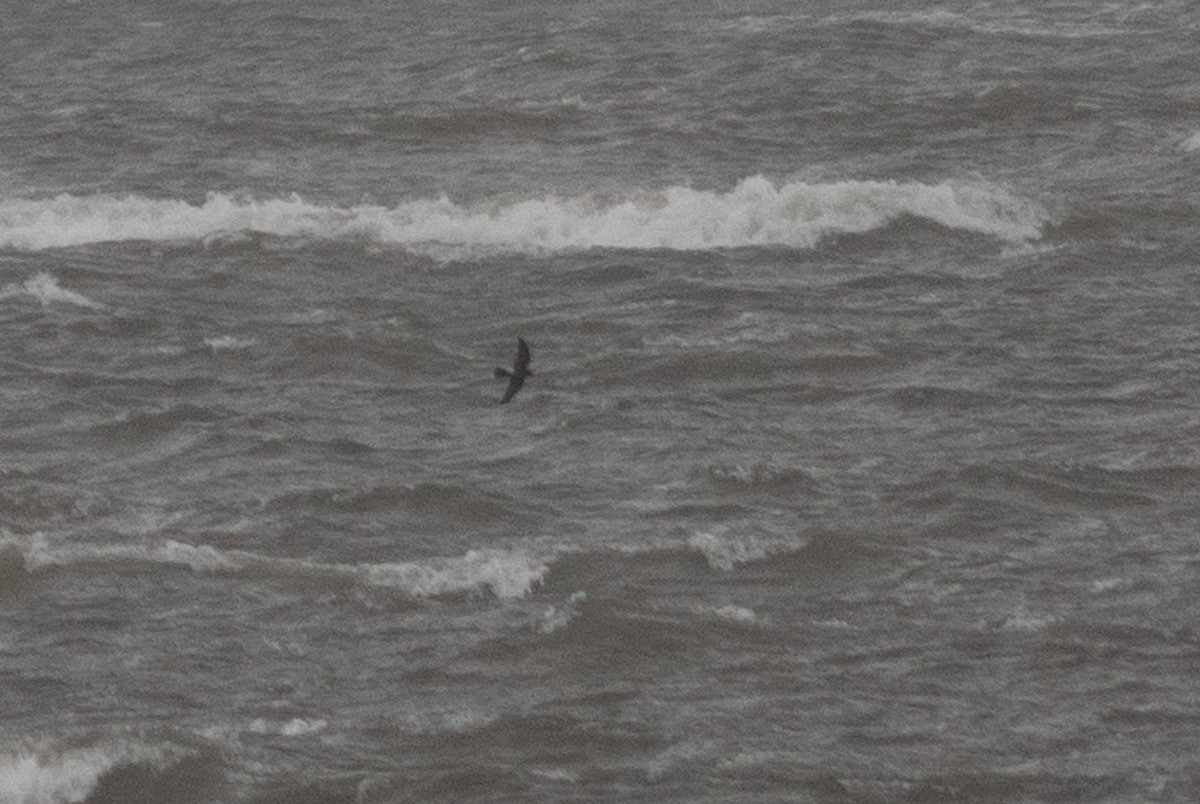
(520, 370)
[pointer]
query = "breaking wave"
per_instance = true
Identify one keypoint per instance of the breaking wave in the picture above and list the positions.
(114, 769)
(726, 550)
(504, 574)
(46, 289)
(756, 212)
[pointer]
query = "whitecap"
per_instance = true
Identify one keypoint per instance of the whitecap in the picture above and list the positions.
(1023, 621)
(46, 289)
(558, 617)
(1102, 586)
(200, 558)
(746, 328)
(443, 721)
(833, 624)
(163, 350)
(44, 774)
(506, 574)
(31, 779)
(736, 614)
(229, 343)
(755, 212)
(725, 550)
(502, 573)
(556, 775)
(40, 553)
(33, 549)
(296, 727)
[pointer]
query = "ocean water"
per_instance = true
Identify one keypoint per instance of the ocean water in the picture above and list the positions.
(859, 463)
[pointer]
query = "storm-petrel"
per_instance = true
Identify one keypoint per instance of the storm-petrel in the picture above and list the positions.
(520, 370)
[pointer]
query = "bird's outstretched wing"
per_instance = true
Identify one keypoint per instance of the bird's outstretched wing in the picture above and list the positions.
(521, 364)
(514, 385)
(520, 370)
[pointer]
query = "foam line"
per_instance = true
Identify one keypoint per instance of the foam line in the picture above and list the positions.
(756, 212)
(506, 574)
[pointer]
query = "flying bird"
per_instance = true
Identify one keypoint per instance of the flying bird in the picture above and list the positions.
(520, 370)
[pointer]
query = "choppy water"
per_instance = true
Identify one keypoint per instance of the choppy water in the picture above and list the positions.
(859, 463)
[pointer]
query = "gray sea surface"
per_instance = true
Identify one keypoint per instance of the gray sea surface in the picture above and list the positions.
(859, 462)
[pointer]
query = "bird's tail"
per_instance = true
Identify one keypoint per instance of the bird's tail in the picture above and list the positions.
(503, 373)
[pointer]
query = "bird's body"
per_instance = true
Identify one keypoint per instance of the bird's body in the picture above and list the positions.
(520, 370)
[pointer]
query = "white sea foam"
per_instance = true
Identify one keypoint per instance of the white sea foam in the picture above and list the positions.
(296, 727)
(556, 618)
(163, 350)
(725, 550)
(229, 343)
(505, 574)
(46, 775)
(556, 775)
(991, 24)
(736, 614)
(1102, 586)
(443, 721)
(45, 288)
(1027, 622)
(39, 553)
(31, 779)
(746, 328)
(33, 548)
(756, 212)
(200, 558)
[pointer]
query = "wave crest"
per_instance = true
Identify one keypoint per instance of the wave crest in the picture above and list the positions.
(726, 550)
(112, 769)
(756, 212)
(45, 288)
(502, 573)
